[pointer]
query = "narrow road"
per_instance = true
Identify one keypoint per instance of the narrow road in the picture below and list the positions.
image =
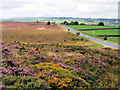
(105, 43)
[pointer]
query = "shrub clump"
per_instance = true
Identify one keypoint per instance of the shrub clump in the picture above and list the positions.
(48, 23)
(77, 33)
(100, 24)
(73, 38)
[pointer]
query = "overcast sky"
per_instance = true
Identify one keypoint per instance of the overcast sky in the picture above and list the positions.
(59, 8)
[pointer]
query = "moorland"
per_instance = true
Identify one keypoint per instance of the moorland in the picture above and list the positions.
(36, 55)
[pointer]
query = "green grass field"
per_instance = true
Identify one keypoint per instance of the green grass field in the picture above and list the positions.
(103, 32)
(114, 38)
(99, 32)
(89, 27)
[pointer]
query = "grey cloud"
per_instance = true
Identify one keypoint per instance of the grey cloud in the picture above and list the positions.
(107, 3)
(8, 6)
(51, 3)
(62, 8)
(12, 5)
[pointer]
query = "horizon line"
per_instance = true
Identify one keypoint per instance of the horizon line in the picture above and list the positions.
(62, 17)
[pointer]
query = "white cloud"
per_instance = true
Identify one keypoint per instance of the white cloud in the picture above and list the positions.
(75, 8)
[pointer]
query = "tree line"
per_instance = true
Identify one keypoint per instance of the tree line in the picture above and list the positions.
(77, 23)
(73, 23)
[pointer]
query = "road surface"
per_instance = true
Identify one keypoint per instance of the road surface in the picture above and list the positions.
(105, 43)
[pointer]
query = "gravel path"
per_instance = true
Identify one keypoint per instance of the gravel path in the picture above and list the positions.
(105, 43)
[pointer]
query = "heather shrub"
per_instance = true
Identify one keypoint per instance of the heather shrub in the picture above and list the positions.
(23, 82)
(77, 33)
(73, 38)
(82, 39)
(57, 65)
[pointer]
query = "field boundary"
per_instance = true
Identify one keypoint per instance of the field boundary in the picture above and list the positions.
(108, 35)
(97, 29)
(101, 38)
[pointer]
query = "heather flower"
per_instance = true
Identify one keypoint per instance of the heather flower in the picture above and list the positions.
(5, 49)
(6, 71)
(9, 72)
(32, 71)
(1, 68)
(34, 75)
(58, 59)
(10, 63)
(104, 64)
(2, 86)
(19, 71)
(3, 54)
(9, 60)
(31, 51)
(67, 67)
(25, 56)
(79, 68)
(15, 46)
(48, 73)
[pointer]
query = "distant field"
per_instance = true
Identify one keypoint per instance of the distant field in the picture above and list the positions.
(33, 32)
(103, 32)
(114, 38)
(89, 27)
(99, 32)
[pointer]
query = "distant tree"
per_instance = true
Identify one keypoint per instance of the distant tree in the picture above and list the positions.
(48, 23)
(82, 24)
(93, 25)
(72, 23)
(76, 23)
(64, 40)
(105, 37)
(65, 22)
(77, 33)
(62, 23)
(37, 21)
(100, 24)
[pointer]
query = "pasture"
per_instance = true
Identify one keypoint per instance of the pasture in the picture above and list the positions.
(99, 32)
(103, 32)
(89, 27)
(114, 38)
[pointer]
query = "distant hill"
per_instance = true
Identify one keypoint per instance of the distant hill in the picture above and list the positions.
(109, 22)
